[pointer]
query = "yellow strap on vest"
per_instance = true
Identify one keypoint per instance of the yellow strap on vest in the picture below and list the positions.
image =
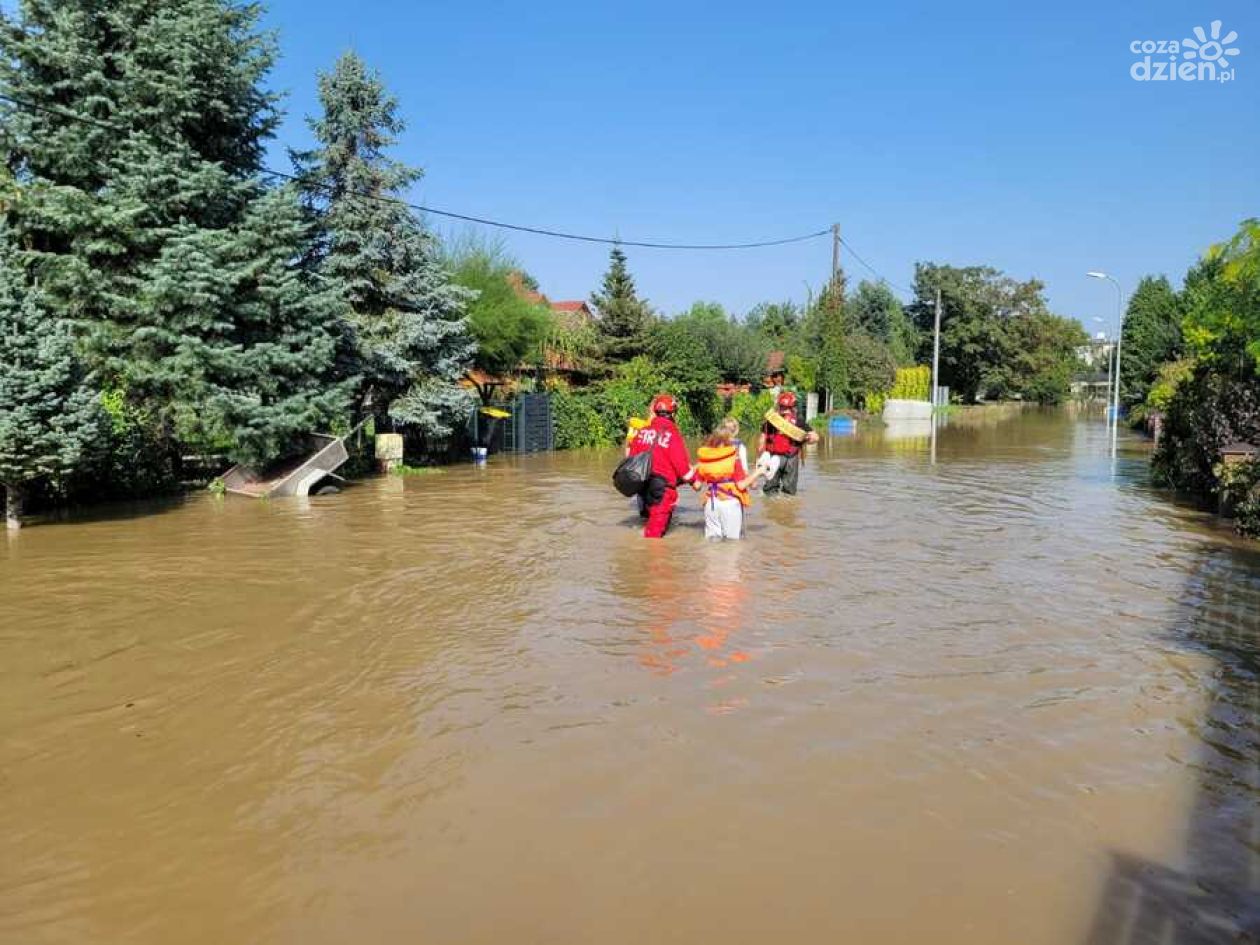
(780, 423)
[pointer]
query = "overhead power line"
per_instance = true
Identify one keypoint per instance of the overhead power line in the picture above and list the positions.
(468, 218)
(875, 272)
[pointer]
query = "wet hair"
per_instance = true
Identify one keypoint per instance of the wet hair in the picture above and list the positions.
(729, 426)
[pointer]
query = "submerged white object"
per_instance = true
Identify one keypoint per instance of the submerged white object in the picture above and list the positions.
(907, 410)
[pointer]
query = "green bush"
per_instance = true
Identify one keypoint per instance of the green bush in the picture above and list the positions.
(578, 422)
(1208, 410)
(599, 415)
(912, 383)
(1240, 492)
(750, 410)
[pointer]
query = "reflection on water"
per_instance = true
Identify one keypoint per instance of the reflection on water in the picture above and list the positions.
(1007, 697)
(1216, 896)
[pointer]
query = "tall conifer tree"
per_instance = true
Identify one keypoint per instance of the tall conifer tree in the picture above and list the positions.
(50, 416)
(624, 318)
(406, 330)
(147, 223)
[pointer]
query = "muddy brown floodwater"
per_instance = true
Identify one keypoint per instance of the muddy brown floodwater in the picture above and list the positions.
(1012, 697)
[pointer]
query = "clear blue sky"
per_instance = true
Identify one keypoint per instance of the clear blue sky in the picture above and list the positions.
(1001, 133)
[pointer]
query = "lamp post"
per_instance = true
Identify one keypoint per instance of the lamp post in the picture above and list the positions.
(1111, 357)
(1115, 410)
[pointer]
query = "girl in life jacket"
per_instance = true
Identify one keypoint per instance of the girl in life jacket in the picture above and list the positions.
(723, 481)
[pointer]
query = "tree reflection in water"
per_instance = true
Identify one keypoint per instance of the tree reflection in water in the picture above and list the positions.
(1216, 899)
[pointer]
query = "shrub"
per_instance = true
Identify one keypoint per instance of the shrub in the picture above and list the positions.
(1240, 490)
(578, 422)
(1209, 410)
(912, 383)
(750, 410)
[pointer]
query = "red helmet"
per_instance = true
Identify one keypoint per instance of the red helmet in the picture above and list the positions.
(664, 405)
(787, 400)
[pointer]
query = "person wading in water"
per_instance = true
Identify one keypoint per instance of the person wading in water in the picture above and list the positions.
(724, 479)
(671, 464)
(783, 470)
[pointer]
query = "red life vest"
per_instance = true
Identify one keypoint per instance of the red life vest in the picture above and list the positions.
(780, 444)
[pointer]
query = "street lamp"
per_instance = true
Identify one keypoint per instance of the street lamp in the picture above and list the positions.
(1115, 410)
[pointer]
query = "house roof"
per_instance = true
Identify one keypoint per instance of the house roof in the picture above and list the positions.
(774, 362)
(1240, 449)
(569, 306)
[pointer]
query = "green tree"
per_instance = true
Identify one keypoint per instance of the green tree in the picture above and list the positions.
(510, 330)
(1042, 356)
(777, 322)
(1152, 335)
(623, 318)
(149, 226)
(681, 348)
(50, 415)
(1214, 400)
(1223, 322)
(978, 303)
(405, 330)
(874, 309)
(871, 367)
(830, 327)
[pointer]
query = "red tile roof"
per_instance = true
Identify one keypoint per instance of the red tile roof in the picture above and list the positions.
(774, 362)
(568, 306)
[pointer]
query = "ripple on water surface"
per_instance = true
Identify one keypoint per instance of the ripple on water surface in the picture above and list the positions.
(1011, 696)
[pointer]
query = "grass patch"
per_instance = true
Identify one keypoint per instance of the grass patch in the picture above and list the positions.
(417, 471)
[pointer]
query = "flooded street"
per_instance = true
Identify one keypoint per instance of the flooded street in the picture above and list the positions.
(1012, 697)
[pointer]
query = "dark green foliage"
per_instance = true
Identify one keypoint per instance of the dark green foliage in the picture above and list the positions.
(405, 330)
(1038, 358)
(705, 346)
(152, 232)
(1209, 411)
(986, 318)
(599, 415)
(623, 318)
(831, 327)
(875, 310)
(1152, 335)
(51, 420)
(1219, 403)
(255, 383)
(681, 349)
(578, 423)
(871, 367)
(777, 322)
(1240, 493)
(872, 309)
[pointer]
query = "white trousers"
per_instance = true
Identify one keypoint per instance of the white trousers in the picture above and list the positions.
(723, 518)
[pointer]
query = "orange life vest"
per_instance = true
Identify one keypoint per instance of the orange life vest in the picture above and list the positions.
(716, 467)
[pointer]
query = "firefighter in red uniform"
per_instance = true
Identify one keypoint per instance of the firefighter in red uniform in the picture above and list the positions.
(671, 464)
(785, 449)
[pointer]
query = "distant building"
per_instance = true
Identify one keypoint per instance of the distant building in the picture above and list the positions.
(1097, 353)
(776, 369)
(572, 314)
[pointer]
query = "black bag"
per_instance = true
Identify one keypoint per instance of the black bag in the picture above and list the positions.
(632, 473)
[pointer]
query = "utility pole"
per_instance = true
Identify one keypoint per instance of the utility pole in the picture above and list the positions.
(835, 253)
(936, 350)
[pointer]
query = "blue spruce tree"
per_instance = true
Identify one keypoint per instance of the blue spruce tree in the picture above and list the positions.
(146, 221)
(406, 333)
(50, 416)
